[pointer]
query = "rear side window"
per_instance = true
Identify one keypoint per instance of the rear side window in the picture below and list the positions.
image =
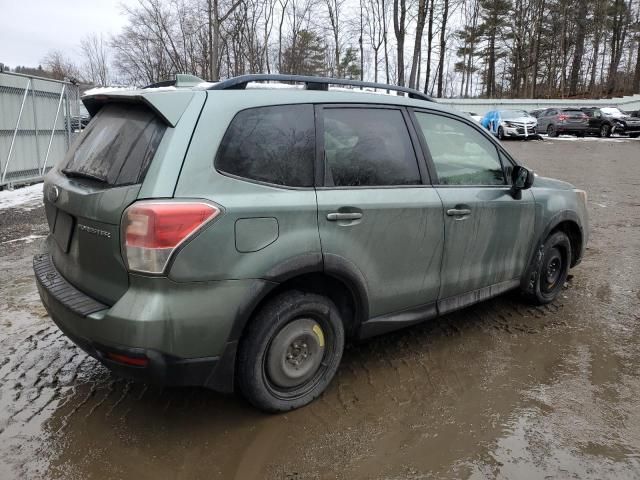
(270, 144)
(368, 147)
(117, 146)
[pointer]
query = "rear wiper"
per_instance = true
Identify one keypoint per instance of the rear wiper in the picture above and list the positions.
(75, 174)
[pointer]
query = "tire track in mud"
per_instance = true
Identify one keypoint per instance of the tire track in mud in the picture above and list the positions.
(411, 365)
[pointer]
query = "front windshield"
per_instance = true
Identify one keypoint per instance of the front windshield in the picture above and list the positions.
(612, 112)
(509, 114)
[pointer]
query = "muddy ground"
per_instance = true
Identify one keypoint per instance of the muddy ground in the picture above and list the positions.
(499, 390)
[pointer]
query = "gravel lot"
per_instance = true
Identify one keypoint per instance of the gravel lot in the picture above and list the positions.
(496, 390)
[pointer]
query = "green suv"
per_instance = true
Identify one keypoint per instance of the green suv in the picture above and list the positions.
(232, 237)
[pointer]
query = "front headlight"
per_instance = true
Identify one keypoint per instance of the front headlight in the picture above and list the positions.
(582, 195)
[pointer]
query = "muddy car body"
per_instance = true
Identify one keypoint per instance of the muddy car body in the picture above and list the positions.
(231, 237)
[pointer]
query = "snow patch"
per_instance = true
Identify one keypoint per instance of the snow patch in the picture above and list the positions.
(27, 198)
(105, 90)
(27, 239)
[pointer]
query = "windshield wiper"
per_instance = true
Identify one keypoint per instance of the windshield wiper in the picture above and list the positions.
(76, 174)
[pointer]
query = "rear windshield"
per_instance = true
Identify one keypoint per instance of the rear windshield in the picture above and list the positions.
(117, 146)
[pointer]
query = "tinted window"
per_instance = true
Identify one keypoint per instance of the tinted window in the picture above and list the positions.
(461, 154)
(117, 146)
(368, 147)
(270, 144)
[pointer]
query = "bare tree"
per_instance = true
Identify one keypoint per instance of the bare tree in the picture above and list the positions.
(96, 64)
(61, 67)
(399, 27)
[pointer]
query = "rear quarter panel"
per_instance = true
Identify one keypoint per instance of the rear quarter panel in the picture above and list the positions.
(215, 254)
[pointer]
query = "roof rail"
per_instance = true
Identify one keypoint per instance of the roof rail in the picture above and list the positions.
(312, 83)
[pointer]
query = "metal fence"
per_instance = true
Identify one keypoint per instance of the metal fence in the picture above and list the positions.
(37, 120)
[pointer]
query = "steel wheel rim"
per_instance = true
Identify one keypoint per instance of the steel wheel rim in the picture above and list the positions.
(295, 354)
(552, 271)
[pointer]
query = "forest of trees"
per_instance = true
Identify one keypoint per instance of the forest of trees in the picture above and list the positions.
(447, 48)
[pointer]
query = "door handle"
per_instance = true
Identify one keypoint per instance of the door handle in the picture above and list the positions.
(458, 212)
(335, 216)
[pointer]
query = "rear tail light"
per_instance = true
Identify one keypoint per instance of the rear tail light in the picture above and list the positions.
(563, 117)
(153, 231)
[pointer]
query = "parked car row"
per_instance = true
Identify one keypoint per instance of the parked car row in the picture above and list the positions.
(579, 121)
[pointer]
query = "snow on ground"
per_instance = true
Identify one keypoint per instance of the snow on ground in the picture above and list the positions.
(571, 138)
(26, 198)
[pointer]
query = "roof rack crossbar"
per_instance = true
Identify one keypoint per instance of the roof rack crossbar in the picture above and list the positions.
(312, 83)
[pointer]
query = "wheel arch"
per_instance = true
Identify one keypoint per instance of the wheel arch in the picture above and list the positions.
(333, 276)
(566, 221)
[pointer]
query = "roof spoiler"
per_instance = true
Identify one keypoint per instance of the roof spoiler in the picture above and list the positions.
(168, 107)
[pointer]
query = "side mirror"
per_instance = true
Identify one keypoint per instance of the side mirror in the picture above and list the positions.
(521, 178)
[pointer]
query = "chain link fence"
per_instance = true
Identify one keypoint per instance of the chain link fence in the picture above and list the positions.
(38, 120)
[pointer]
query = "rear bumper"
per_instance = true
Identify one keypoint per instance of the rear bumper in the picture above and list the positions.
(572, 128)
(184, 331)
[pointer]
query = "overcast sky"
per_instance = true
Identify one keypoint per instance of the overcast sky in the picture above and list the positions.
(30, 28)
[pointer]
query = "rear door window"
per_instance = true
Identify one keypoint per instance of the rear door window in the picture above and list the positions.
(367, 147)
(117, 147)
(270, 144)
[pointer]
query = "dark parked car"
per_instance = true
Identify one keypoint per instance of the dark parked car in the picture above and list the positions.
(559, 121)
(233, 238)
(608, 120)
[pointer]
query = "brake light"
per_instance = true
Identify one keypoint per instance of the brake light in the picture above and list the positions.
(563, 117)
(153, 231)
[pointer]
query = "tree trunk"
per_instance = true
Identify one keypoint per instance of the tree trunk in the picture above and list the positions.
(429, 43)
(399, 29)
(417, 46)
(443, 47)
(636, 76)
(578, 53)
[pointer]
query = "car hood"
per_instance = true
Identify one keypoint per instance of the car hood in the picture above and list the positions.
(545, 182)
(528, 120)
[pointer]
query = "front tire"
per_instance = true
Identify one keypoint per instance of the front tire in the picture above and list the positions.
(290, 351)
(605, 131)
(500, 133)
(551, 131)
(548, 272)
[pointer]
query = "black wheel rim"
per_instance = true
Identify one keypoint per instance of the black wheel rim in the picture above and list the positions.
(552, 271)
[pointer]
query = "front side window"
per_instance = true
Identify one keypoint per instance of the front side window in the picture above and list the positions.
(270, 144)
(368, 147)
(461, 154)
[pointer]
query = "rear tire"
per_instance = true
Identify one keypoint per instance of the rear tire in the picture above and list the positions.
(290, 351)
(551, 131)
(549, 269)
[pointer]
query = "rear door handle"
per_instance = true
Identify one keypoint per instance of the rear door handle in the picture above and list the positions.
(458, 212)
(335, 216)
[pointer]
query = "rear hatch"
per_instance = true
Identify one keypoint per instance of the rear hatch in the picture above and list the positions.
(574, 116)
(87, 192)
